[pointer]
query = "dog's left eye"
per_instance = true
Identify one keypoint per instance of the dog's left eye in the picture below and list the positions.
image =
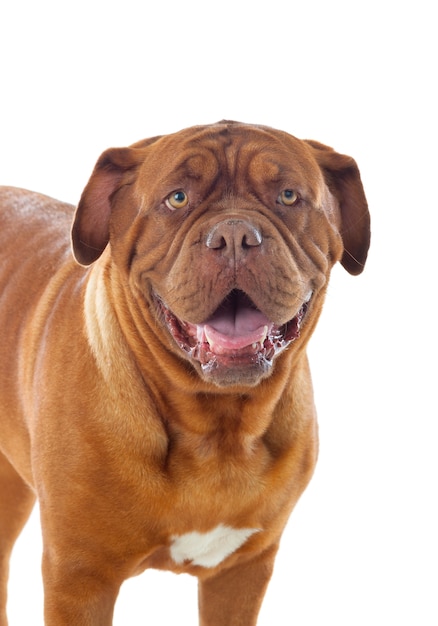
(177, 200)
(288, 197)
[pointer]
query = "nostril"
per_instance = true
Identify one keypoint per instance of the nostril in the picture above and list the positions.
(218, 243)
(251, 238)
(215, 240)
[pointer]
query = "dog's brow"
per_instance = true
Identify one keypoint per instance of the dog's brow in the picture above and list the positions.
(198, 164)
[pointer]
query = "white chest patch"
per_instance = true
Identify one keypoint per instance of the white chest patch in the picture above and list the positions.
(211, 548)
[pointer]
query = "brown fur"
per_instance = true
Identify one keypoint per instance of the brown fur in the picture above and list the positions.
(126, 440)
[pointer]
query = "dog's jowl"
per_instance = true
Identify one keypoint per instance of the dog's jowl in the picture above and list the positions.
(155, 393)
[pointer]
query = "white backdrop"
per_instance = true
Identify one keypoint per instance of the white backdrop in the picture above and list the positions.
(78, 77)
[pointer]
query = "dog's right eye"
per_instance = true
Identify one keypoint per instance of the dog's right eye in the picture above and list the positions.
(177, 200)
(288, 197)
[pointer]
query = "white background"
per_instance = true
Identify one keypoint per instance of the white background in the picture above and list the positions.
(78, 77)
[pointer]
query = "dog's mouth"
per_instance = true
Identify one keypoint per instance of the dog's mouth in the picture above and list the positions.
(237, 335)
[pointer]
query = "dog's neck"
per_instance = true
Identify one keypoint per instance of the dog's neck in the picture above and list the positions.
(192, 414)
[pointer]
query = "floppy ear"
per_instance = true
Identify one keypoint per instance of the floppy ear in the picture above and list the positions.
(90, 230)
(343, 179)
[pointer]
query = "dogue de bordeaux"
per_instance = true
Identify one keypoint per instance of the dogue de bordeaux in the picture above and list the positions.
(155, 393)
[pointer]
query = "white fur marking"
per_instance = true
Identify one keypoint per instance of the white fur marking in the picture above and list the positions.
(103, 331)
(211, 548)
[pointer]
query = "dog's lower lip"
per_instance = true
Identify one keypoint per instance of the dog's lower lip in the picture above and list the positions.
(198, 340)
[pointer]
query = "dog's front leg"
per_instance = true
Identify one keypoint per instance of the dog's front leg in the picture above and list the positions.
(77, 595)
(233, 596)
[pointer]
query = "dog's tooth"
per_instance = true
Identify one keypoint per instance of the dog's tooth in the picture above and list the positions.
(200, 334)
(208, 338)
(259, 344)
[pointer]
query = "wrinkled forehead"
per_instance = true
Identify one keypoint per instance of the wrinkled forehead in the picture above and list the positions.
(237, 153)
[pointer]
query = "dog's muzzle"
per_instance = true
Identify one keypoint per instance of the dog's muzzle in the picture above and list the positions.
(237, 343)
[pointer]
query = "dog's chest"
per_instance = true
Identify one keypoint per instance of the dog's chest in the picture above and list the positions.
(210, 548)
(208, 526)
(214, 509)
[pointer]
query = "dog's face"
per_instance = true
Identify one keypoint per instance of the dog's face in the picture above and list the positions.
(227, 233)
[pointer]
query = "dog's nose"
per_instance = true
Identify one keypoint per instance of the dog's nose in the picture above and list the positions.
(233, 237)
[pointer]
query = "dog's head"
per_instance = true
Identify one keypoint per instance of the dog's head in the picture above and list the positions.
(227, 233)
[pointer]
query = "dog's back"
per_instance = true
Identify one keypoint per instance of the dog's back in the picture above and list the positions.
(33, 242)
(34, 251)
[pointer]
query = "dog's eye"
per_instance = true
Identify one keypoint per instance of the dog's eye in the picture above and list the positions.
(177, 200)
(288, 197)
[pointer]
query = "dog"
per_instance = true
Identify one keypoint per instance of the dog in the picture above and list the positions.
(155, 393)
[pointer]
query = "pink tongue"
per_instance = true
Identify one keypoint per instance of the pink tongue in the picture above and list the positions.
(225, 332)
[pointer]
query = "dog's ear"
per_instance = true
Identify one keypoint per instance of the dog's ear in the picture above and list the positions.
(343, 179)
(90, 230)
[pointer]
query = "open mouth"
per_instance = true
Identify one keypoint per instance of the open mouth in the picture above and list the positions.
(237, 334)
